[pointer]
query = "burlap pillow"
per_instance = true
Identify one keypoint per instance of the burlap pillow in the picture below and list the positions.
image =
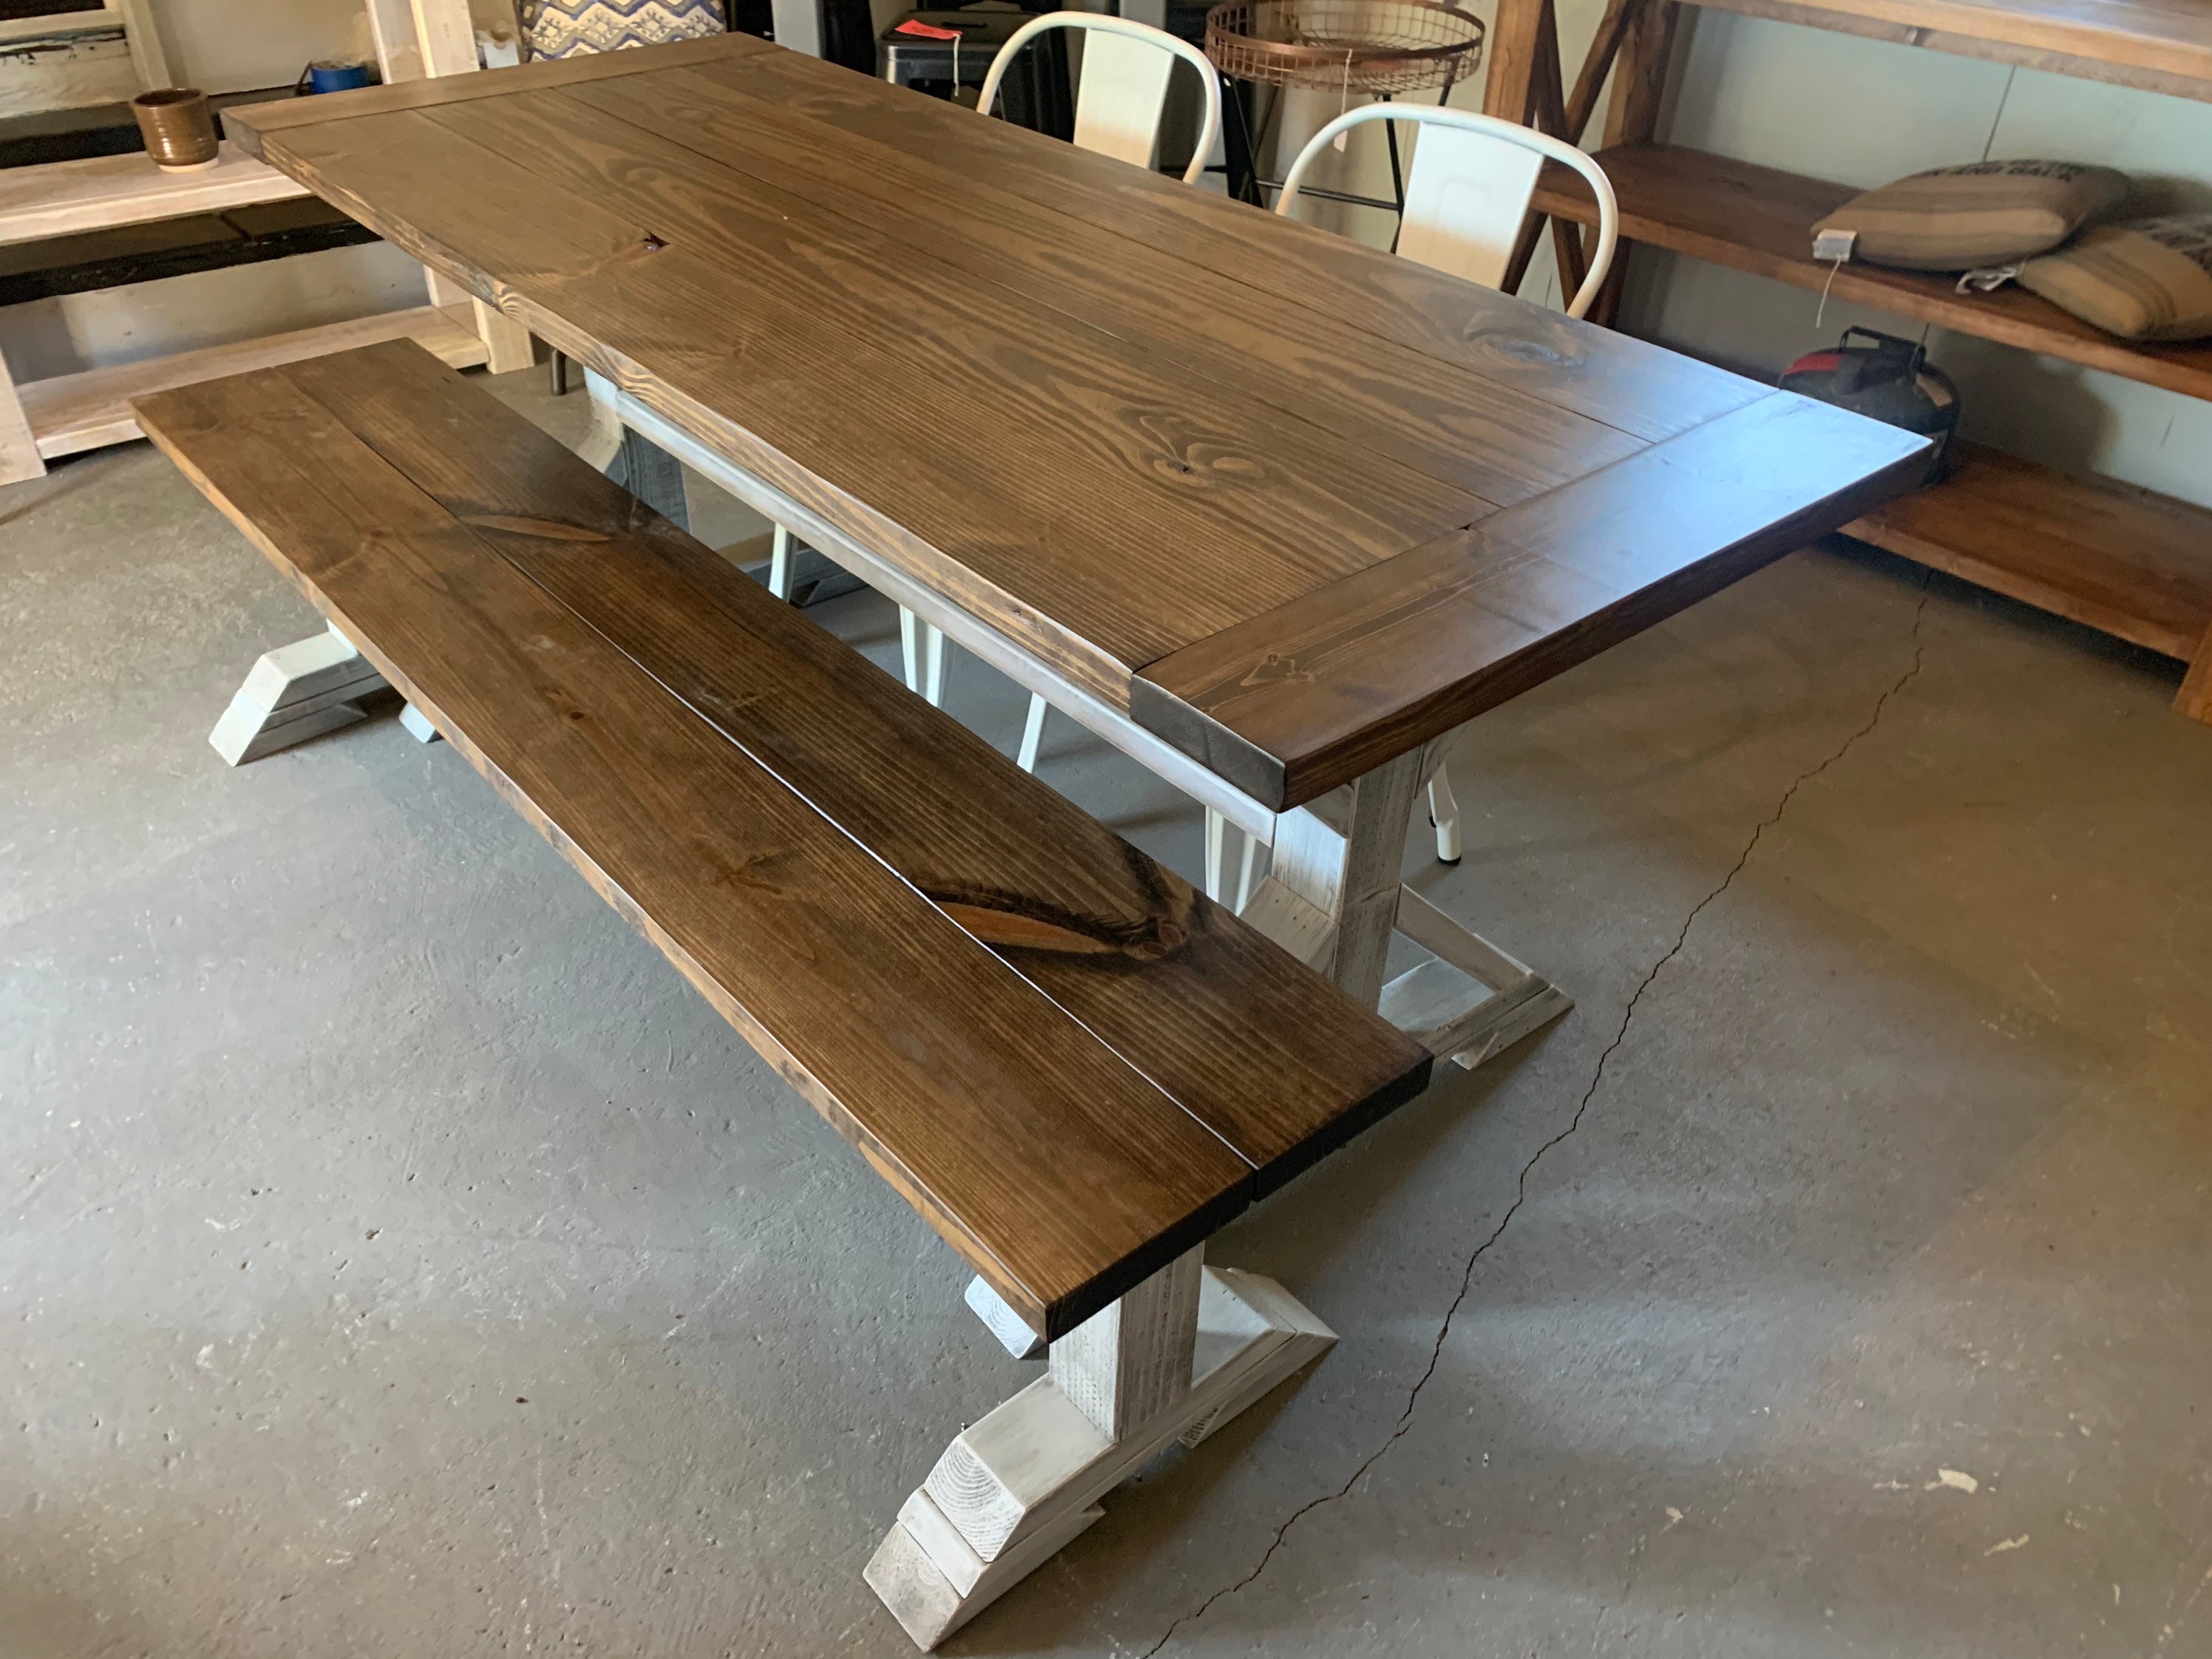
(2150, 279)
(1982, 213)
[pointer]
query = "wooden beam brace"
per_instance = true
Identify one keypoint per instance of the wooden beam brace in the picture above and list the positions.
(1013, 1489)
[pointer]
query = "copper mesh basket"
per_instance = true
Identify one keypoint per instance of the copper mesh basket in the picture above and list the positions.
(1352, 46)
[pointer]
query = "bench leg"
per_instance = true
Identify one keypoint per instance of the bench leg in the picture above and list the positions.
(19, 448)
(631, 459)
(654, 476)
(1171, 1361)
(294, 692)
(1333, 898)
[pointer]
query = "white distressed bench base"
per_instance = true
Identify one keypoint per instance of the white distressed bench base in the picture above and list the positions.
(1013, 1489)
(299, 691)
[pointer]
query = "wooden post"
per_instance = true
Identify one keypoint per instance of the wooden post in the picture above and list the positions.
(1173, 1360)
(1343, 856)
(1515, 44)
(19, 448)
(392, 28)
(1639, 87)
(1122, 1367)
(147, 59)
(419, 38)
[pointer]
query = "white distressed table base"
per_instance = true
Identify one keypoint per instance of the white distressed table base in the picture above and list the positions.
(1332, 899)
(299, 691)
(1013, 1489)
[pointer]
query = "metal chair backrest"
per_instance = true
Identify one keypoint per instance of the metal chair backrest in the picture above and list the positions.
(1468, 189)
(1125, 85)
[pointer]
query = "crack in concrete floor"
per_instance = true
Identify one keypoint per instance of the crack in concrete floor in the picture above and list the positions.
(1597, 1078)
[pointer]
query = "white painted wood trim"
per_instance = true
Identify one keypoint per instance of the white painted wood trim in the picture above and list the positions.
(446, 35)
(391, 31)
(147, 57)
(98, 192)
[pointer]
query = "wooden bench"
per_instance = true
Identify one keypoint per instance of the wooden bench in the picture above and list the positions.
(1073, 1066)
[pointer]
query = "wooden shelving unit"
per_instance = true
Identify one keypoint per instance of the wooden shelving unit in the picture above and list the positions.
(71, 413)
(1759, 219)
(41, 421)
(2126, 561)
(59, 198)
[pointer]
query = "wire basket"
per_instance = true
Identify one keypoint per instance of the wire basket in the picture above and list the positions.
(1353, 46)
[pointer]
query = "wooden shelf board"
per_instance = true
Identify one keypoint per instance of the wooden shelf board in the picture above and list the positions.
(2164, 45)
(61, 198)
(1761, 219)
(72, 412)
(2122, 559)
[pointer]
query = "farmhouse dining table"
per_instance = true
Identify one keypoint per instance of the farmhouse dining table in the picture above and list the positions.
(1273, 512)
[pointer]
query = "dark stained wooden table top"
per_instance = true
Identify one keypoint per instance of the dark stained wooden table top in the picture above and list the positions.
(1073, 1066)
(1295, 504)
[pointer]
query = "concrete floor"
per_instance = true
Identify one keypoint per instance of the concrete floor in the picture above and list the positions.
(400, 1260)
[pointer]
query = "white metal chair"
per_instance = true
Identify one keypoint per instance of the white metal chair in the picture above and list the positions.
(1118, 104)
(1466, 195)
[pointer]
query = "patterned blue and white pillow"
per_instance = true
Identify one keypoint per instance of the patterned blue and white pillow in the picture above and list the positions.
(569, 28)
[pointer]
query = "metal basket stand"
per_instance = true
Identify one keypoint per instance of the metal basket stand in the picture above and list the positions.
(1366, 48)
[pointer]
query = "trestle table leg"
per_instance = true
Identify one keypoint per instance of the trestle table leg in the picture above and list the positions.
(1172, 1360)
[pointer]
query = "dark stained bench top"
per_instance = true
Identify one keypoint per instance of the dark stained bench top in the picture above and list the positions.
(1071, 1063)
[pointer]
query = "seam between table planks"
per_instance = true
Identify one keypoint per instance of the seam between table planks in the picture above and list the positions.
(1231, 247)
(1271, 1147)
(1301, 643)
(1075, 290)
(1317, 533)
(1197, 1222)
(1067, 652)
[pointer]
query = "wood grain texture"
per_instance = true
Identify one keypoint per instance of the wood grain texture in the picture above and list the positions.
(1759, 219)
(69, 413)
(249, 125)
(2122, 560)
(1135, 508)
(1640, 388)
(1295, 703)
(913, 323)
(1279, 1065)
(1377, 400)
(2194, 698)
(1058, 1172)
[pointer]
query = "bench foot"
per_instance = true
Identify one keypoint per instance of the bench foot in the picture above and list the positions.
(1002, 1322)
(417, 725)
(1173, 1360)
(295, 692)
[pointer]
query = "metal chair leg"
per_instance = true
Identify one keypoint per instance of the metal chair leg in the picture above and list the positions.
(779, 564)
(1443, 812)
(1032, 734)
